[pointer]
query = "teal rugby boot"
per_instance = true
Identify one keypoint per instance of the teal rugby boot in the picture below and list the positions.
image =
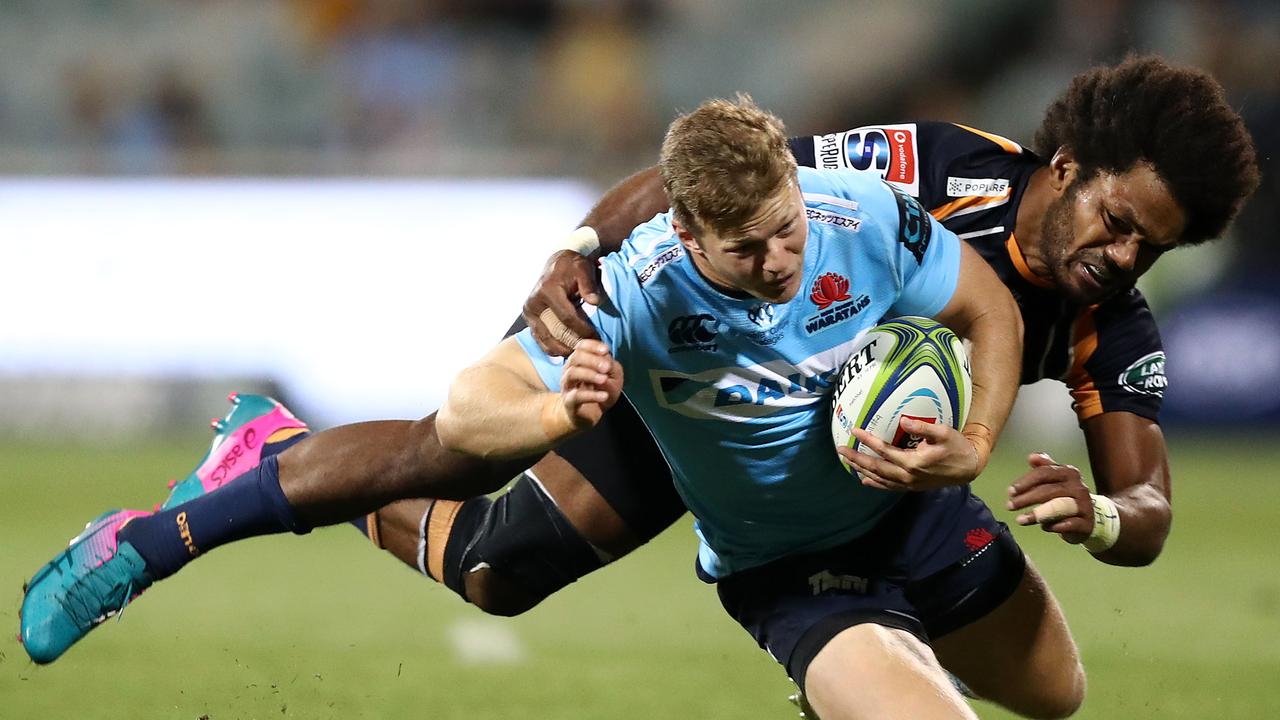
(93, 579)
(237, 445)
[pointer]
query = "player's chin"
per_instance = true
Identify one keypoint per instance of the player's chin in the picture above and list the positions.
(1083, 289)
(779, 293)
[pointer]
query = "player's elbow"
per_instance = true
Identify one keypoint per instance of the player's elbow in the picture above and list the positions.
(451, 428)
(1147, 540)
(1162, 523)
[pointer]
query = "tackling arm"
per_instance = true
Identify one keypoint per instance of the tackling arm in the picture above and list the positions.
(570, 275)
(1131, 469)
(1131, 466)
(626, 205)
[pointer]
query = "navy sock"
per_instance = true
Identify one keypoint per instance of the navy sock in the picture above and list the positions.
(250, 505)
(275, 448)
(362, 524)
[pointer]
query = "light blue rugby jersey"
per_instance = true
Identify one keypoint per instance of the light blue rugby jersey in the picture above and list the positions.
(735, 390)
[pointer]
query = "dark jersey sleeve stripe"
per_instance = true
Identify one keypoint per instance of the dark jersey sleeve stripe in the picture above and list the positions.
(1118, 363)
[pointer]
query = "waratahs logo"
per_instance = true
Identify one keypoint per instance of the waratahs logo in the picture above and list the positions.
(828, 289)
(1146, 375)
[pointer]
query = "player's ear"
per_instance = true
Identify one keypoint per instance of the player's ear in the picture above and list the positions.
(686, 238)
(1063, 169)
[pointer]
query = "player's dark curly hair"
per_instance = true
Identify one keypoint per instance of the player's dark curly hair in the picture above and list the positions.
(1175, 118)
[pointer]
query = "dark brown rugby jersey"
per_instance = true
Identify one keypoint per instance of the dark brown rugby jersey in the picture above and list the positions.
(1109, 355)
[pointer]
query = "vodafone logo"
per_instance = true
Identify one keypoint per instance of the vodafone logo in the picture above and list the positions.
(903, 151)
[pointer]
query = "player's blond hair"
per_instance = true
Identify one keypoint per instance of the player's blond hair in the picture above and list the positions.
(722, 161)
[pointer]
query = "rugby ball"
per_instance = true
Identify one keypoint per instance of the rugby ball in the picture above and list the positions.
(908, 367)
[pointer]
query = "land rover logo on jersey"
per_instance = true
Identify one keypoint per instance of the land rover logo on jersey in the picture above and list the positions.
(1146, 376)
(693, 332)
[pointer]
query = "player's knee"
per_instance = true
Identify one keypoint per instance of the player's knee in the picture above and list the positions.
(508, 555)
(1071, 696)
(497, 595)
(1059, 697)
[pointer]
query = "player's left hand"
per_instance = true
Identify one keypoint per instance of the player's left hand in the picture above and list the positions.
(943, 457)
(1060, 494)
(566, 277)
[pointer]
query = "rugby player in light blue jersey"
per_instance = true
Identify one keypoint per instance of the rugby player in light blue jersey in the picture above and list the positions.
(730, 367)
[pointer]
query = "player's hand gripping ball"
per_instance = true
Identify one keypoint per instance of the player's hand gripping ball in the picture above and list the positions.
(908, 367)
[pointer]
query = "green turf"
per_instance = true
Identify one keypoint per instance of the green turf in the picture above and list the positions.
(324, 627)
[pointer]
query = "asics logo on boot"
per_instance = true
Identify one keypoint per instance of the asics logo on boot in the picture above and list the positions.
(229, 461)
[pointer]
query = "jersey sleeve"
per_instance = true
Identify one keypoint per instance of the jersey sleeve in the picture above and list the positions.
(1118, 360)
(927, 259)
(605, 318)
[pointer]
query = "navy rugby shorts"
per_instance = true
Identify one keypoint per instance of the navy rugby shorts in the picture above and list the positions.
(937, 561)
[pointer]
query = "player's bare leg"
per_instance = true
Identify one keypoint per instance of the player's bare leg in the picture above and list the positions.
(1021, 655)
(350, 470)
(872, 672)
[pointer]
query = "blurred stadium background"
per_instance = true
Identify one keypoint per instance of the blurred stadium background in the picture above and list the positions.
(343, 202)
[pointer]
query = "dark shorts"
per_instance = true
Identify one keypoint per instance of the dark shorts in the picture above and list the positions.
(620, 459)
(937, 561)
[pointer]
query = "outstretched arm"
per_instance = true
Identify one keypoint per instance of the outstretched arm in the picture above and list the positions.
(500, 408)
(1131, 469)
(570, 275)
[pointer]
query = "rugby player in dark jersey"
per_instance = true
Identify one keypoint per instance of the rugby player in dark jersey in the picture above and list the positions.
(1131, 161)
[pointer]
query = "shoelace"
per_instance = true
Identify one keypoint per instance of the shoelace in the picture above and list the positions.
(91, 593)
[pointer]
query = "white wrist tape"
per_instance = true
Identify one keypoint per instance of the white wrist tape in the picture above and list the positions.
(583, 241)
(1106, 525)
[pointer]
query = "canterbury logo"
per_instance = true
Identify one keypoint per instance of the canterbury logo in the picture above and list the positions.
(692, 329)
(184, 531)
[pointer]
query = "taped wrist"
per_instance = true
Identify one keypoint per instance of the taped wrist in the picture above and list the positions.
(521, 536)
(1106, 525)
(583, 241)
(979, 436)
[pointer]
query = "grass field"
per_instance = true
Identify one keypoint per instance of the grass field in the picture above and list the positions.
(325, 627)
